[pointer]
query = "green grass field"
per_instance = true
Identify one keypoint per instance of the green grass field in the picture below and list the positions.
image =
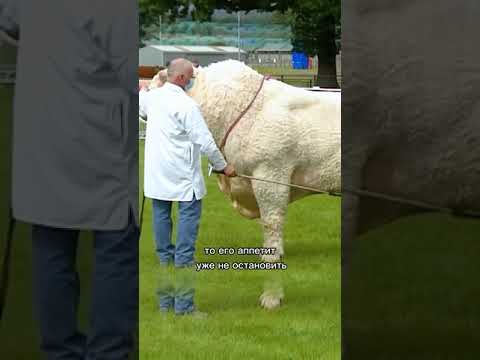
(414, 291)
(271, 70)
(295, 77)
(306, 326)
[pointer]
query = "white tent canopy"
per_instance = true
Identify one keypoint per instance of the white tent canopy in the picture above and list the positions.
(160, 55)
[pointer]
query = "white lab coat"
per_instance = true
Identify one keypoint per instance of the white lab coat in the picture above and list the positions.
(176, 136)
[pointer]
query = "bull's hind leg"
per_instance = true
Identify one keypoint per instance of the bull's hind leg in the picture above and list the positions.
(272, 200)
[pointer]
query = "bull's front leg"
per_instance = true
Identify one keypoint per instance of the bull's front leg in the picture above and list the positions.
(272, 201)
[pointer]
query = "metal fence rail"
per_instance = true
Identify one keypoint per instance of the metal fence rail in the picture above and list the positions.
(303, 80)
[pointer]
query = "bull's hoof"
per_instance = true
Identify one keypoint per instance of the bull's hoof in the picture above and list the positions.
(270, 300)
(271, 258)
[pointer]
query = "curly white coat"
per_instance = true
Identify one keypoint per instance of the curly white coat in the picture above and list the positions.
(289, 135)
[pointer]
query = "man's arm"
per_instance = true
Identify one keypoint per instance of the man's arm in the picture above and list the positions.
(142, 103)
(199, 134)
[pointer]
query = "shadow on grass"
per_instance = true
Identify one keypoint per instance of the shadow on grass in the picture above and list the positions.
(412, 291)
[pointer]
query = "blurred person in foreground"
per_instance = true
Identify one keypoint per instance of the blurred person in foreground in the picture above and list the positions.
(75, 166)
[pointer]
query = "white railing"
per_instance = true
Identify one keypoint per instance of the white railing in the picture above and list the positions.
(316, 88)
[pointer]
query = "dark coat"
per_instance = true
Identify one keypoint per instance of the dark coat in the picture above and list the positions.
(75, 138)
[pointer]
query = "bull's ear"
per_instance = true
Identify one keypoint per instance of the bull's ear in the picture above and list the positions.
(196, 71)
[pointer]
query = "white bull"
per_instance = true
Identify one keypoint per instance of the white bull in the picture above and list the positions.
(289, 135)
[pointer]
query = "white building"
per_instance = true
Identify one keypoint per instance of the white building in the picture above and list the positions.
(160, 55)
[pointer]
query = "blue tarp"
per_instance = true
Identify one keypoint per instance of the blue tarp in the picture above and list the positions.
(299, 60)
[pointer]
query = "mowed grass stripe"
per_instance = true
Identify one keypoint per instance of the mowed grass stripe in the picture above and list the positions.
(307, 326)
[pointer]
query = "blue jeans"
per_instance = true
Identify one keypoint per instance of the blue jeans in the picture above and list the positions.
(176, 290)
(187, 230)
(114, 306)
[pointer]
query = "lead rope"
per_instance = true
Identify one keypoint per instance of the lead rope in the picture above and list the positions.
(372, 194)
(302, 187)
(414, 203)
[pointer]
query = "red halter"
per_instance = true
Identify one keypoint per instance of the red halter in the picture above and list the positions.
(242, 114)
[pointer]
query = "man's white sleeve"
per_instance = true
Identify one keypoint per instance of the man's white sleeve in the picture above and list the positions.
(199, 134)
(142, 103)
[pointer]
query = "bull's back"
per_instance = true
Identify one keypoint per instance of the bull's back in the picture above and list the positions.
(309, 126)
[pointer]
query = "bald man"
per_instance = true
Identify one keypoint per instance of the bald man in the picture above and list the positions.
(176, 137)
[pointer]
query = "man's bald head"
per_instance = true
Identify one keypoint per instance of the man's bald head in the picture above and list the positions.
(179, 72)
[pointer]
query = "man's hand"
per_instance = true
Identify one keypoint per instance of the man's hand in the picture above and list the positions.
(229, 171)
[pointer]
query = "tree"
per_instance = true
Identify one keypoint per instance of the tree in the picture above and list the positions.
(151, 10)
(314, 23)
(314, 32)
